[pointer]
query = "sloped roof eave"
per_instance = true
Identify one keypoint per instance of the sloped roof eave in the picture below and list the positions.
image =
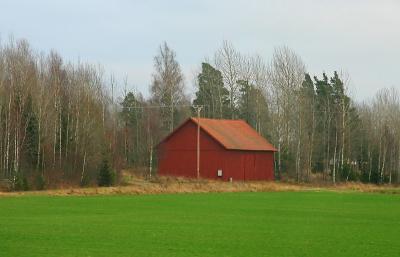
(226, 135)
(239, 138)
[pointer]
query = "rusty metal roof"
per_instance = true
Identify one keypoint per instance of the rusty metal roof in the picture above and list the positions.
(234, 134)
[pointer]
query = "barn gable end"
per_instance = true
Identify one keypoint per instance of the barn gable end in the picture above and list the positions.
(185, 138)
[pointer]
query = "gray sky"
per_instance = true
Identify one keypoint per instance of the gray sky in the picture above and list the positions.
(359, 37)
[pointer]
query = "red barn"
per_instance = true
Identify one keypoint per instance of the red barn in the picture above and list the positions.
(228, 149)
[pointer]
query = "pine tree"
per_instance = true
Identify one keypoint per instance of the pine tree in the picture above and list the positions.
(132, 115)
(31, 141)
(212, 93)
(252, 104)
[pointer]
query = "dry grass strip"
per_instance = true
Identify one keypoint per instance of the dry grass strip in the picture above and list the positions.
(179, 185)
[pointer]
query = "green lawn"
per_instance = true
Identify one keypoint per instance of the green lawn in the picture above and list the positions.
(225, 224)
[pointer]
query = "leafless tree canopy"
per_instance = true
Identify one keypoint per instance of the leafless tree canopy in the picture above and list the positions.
(167, 88)
(60, 120)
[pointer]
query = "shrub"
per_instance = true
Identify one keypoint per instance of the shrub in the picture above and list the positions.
(106, 175)
(5, 185)
(85, 181)
(21, 183)
(348, 173)
(40, 182)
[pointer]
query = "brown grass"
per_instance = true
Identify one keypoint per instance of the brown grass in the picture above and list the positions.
(166, 185)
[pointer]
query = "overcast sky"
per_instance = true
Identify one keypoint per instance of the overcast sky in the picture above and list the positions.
(359, 37)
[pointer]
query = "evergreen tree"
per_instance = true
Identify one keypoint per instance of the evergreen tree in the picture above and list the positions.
(307, 87)
(212, 93)
(31, 140)
(131, 112)
(246, 108)
(324, 105)
(252, 105)
(106, 175)
(132, 115)
(307, 123)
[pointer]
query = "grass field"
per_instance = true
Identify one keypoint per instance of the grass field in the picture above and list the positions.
(214, 224)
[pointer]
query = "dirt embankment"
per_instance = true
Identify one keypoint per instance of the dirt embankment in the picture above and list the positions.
(164, 185)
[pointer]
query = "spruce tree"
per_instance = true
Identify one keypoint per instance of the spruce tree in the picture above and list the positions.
(212, 93)
(106, 175)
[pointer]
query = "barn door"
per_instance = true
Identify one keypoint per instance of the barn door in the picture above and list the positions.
(249, 167)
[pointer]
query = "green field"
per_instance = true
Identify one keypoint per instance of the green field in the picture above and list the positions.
(225, 224)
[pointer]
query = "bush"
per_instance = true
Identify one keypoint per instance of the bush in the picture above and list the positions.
(21, 183)
(349, 173)
(85, 181)
(40, 182)
(5, 185)
(106, 175)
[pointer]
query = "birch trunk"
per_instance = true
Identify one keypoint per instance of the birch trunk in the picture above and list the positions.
(334, 159)
(151, 157)
(67, 134)
(298, 151)
(172, 113)
(383, 165)
(55, 133)
(379, 156)
(39, 132)
(8, 137)
(83, 167)
(60, 131)
(370, 163)
(310, 156)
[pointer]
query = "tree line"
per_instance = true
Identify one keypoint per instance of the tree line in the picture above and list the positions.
(61, 123)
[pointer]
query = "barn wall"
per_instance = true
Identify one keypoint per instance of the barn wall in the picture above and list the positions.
(178, 157)
(248, 165)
